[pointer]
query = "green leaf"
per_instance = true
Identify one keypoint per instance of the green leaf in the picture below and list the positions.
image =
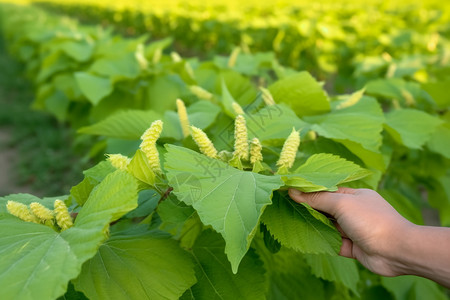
(229, 200)
(403, 206)
(412, 288)
(406, 92)
(295, 285)
(301, 228)
(214, 275)
(66, 83)
(202, 114)
(146, 266)
(269, 240)
(126, 124)
(288, 274)
(140, 168)
(162, 92)
(57, 104)
(147, 202)
(439, 198)
(374, 160)
(117, 68)
(227, 101)
(273, 124)
(99, 171)
(302, 93)
(161, 44)
(52, 64)
(376, 292)
(71, 294)
(361, 123)
(324, 172)
(82, 190)
(439, 92)
(335, 268)
(37, 262)
(411, 127)
(174, 214)
(93, 87)
(79, 50)
(172, 126)
(439, 141)
(109, 200)
(329, 163)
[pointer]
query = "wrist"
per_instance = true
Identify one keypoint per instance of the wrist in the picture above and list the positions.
(403, 253)
(423, 251)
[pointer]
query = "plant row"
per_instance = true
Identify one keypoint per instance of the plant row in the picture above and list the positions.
(192, 199)
(353, 42)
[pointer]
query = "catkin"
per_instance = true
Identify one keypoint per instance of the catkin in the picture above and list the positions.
(63, 218)
(183, 116)
(200, 92)
(289, 151)
(240, 138)
(140, 57)
(267, 96)
(233, 57)
(237, 108)
(175, 57)
(148, 145)
(21, 211)
(255, 151)
(119, 161)
(43, 213)
(203, 142)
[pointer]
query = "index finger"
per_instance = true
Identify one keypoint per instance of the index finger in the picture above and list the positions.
(327, 202)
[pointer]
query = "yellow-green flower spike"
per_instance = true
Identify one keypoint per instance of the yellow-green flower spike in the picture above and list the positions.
(201, 93)
(43, 213)
(289, 151)
(240, 138)
(255, 151)
(267, 96)
(175, 57)
(183, 116)
(203, 142)
(21, 211)
(148, 145)
(119, 161)
(157, 56)
(233, 57)
(237, 108)
(256, 155)
(311, 135)
(140, 57)
(63, 218)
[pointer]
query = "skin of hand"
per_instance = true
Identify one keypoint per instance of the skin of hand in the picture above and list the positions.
(375, 234)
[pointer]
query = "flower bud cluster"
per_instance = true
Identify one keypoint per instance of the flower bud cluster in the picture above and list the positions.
(203, 142)
(148, 145)
(183, 116)
(38, 213)
(119, 161)
(289, 150)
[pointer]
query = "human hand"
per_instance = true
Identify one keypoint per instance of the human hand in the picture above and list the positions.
(371, 228)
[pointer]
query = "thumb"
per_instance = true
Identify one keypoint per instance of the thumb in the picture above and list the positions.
(323, 201)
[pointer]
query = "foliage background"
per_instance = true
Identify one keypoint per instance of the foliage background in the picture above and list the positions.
(383, 106)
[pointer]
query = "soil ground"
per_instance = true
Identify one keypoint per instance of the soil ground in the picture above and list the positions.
(7, 161)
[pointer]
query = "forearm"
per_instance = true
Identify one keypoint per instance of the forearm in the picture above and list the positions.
(425, 251)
